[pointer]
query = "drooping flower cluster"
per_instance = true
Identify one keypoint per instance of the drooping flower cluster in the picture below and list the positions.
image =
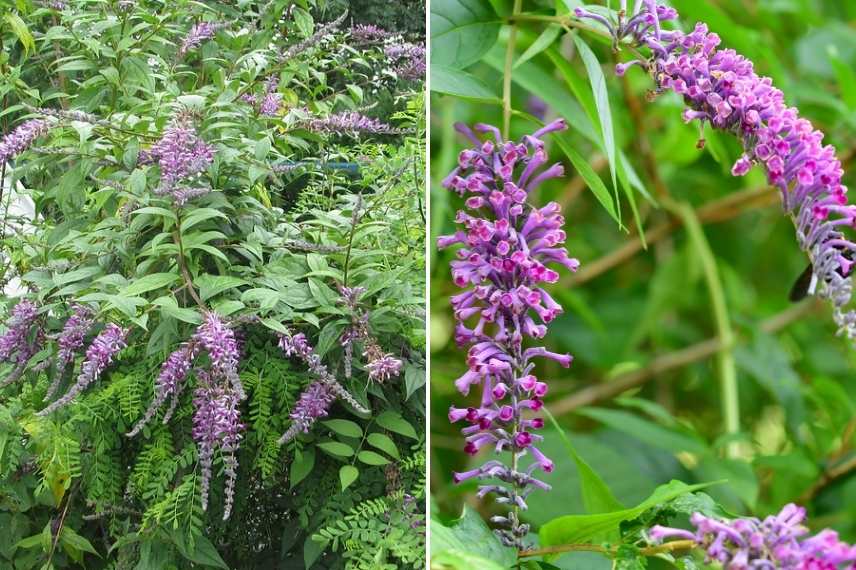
(198, 34)
(216, 399)
(777, 542)
(169, 384)
(380, 365)
(271, 101)
(408, 60)
(23, 338)
(315, 401)
(508, 244)
(21, 139)
(70, 341)
(182, 155)
(216, 426)
(351, 123)
(720, 87)
(99, 356)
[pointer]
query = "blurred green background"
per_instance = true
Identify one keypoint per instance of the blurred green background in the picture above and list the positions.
(642, 399)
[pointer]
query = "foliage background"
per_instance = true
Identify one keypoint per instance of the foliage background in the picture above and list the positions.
(273, 241)
(641, 401)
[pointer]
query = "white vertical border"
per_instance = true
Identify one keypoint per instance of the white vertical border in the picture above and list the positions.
(428, 249)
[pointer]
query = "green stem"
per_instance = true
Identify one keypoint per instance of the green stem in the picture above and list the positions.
(668, 547)
(730, 398)
(506, 78)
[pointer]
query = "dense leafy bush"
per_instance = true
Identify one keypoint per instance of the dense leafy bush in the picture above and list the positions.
(215, 310)
(701, 403)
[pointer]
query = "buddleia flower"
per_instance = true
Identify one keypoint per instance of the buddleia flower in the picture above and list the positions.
(198, 34)
(777, 542)
(99, 356)
(21, 138)
(315, 404)
(720, 87)
(70, 341)
(507, 247)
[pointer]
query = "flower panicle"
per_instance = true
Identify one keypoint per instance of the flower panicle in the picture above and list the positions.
(509, 247)
(316, 401)
(99, 356)
(779, 541)
(22, 138)
(720, 88)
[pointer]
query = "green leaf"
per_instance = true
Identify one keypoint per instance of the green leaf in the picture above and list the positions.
(70, 538)
(601, 100)
(462, 31)
(302, 466)
(204, 552)
(149, 283)
(372, 458)
(545, 40)
(77, 275)
(170, 307)
(21, 31)
(457, 560)
(644, 430)
(596, 494)
(347, 475)
(414, 379)
(346, 428)
(384, 443)
(337, 448)
(452, 81)
(200, 215)
(591, 178)
(211, 285)
(394, 422)
(471, 538)
(573, 529)
(845, 76)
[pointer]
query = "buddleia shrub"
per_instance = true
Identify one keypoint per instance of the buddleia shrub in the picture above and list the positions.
(212, 344)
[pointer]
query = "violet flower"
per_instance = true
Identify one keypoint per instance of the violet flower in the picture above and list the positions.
(70, 341)
(198, 34)
(23, 338)
(182, 155)
(314, 404)
(352, 123)
(408, 60)
(170, 383)
(219, 342)
(380, 365)
(721, 87)
(20, 322)
(315, 400)
(507, 246)
(21, 139)
(99, 356)
(216, 426)
(368, 34)
(775, 543)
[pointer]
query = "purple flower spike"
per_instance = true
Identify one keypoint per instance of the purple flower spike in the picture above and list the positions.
(216, 426)
(182, 156)
(508, 245)
(170, 383)
(198, 34)
(70, 341)
(220, 343)
(352, 123)
(99, 356)
(720, 87)
(21, 139)
(776, 542)
(20, 343)
(313, 402)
